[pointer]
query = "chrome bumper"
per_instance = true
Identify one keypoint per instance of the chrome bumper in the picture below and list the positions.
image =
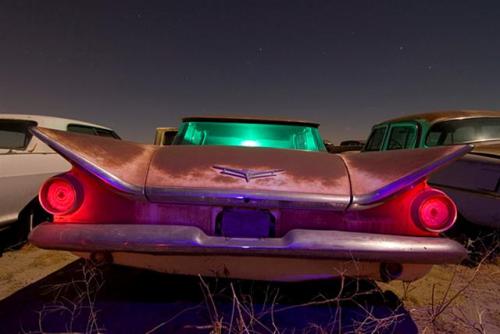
(189, 240)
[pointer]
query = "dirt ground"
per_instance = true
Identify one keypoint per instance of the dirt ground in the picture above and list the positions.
(27, 265)
(459, 299)
(472, 293)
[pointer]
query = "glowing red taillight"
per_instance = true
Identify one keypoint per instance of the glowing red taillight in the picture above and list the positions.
(434, 211)
(60, 195)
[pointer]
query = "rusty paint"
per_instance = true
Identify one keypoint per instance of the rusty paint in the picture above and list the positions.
(304, 172)
(375, 174)
(126, 161)
(446, 115)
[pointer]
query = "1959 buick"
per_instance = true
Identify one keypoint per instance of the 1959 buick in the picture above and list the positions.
(249, 198)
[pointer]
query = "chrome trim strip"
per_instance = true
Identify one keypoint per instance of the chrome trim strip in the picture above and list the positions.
(176, 239)
(247, 197)
(409, 179)
(101, 173)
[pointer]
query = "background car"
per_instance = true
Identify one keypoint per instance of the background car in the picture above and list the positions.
(473, 181)
(165, 135)
(346, 146)
(25, 162)
(251, 198)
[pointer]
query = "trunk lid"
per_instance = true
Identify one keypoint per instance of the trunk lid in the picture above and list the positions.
(247, 174)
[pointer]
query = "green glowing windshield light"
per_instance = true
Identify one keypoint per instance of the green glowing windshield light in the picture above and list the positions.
(287, 136)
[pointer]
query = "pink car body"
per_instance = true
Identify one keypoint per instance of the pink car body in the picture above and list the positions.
(249, 212)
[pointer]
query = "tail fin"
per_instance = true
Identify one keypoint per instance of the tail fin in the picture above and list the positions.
(121, 164)
(377, 175)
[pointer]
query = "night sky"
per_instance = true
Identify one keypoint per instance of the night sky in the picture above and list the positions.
(136, 65)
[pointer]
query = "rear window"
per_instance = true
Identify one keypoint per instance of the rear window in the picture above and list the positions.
(286, 136)
(463, 131)
(14, 134)
(376, 139)
(90, 130)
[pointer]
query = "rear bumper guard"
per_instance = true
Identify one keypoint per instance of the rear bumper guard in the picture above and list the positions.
(189, 240)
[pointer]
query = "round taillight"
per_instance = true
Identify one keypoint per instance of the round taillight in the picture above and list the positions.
(60, 195)
(434, 211)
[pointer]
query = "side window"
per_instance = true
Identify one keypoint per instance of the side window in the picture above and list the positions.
(88, 130)
(491, 130)
(106, 133)
(376, 139)
(462, 134)
(402, 137)
(460, 131)
(434, 138)
(14, 134)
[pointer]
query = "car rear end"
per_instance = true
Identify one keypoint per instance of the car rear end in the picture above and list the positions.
(248, 212)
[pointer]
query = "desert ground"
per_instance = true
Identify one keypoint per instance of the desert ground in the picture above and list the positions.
(36, 285)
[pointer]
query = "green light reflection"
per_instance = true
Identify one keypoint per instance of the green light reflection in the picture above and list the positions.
(284, 136)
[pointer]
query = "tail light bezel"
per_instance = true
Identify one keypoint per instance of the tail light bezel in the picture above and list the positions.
(433, 194)
(67, 178)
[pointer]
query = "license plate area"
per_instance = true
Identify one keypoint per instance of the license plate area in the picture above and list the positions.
(245, 223)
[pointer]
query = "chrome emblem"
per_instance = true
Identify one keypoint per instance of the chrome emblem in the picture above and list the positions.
(248, 174)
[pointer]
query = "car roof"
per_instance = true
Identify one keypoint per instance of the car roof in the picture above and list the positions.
(51, 122)
(445, 115)
(249, 119)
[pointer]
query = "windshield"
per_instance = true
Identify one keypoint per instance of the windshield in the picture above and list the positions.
(295, 137)
(14, 135)
(464, 131)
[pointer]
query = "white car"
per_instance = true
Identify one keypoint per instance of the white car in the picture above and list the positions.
(25, 163)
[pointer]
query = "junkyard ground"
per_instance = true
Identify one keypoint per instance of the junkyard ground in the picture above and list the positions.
(473, 292)
(27, 265)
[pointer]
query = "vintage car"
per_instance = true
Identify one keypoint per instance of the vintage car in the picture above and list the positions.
(25, 163)
(473, 181)
(165, 135)
(250, 198)
(346, 146)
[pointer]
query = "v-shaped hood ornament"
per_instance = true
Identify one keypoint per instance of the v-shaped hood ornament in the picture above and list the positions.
(248, 174)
